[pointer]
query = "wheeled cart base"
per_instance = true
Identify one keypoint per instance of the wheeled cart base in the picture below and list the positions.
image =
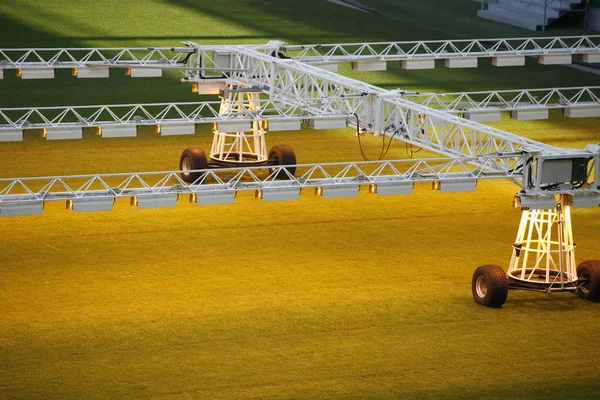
(543, 260)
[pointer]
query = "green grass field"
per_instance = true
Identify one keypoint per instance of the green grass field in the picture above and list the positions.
(365, 298)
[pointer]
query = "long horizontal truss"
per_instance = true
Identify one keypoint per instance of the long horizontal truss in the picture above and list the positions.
(168, 113)
(275, 110)
(400, 174)
(549, 98)
(303, 91)
(442, 49)
(175, 57)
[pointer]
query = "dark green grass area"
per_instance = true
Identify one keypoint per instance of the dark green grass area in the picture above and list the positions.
(112, 23)
(365, 298)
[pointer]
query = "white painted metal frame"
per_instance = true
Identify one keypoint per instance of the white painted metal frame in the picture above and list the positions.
(16, 190)
(377, 110)
(550, 98)
(240, 147)
(170, 113)
(544, 251)
(174, 57)
(380, 110)
(443, 49)
(147, 57)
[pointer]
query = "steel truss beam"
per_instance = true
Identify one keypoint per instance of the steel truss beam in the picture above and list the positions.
(402, 172)
(510, 99)
(286, 81)
(146, 57)
(442, 49)
(168, 113)
(379, 110)
(90, 57)
(168, 57)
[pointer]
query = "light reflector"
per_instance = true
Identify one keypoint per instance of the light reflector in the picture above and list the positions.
(334, 192)
(508, 61)
(581, 112)
(456, 186)
(331, 123)
(21, 208)
(144, 72)
(555, 59)
(92, 204)
(206, 198)
(528, 114)
(11, 135)
(119, 131)
(328, 67)
(294, 125)
(591, 58)
(279, 194)
(483, 115)
(99, 72)
(583, 200)
(534, 202)
(74, 132)
(233, 126)
(155, 200)
(369, 65)
(171, 130)
(208, 87)
(391, 188)
(41, 73)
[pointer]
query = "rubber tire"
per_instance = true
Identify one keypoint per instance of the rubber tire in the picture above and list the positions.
(496, 284)
(590, 271)
(283, 154)
(197, 159)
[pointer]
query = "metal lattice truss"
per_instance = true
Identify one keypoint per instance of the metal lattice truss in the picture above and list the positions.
(581, 97)
(443, 49)
(168, 113)
(145, 57)
(295, 89)
(169, 57)
(379, 110)
(402, 173)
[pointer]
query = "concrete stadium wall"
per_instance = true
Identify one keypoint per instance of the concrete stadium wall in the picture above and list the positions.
(593, 17)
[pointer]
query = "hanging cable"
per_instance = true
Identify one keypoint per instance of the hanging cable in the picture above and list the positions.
(409, 150)
(384, 148)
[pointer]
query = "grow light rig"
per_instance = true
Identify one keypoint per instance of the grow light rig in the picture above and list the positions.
(275, 87)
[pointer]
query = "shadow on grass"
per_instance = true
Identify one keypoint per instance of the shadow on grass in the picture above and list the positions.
(407, 20)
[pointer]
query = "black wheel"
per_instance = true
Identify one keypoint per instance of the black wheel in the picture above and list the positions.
(282, 154)
(588, 280)
(490, 286)
(191, 159)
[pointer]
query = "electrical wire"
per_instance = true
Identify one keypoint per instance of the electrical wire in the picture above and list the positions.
(384, 149)
(409, 150)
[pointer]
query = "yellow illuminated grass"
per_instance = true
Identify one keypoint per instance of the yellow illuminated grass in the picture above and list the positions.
(353, 298)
